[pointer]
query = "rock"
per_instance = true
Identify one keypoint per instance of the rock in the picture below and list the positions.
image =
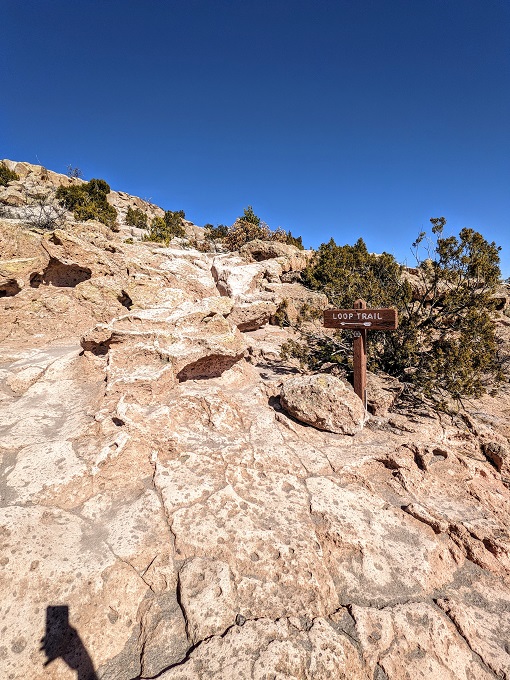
(248, 316)
(292, 296)
(234, 277)
(155, 346)
(382, 392)
(414, 641)
(324, 401)
(289, 257)
(20, 382)
(498, 455)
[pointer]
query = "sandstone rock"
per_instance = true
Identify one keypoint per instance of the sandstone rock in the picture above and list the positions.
(20, 382)
(248, 316)
(413, 641)
(325, 402)
(235, 278)
(294, 296)
(382, 392)
(290, 257)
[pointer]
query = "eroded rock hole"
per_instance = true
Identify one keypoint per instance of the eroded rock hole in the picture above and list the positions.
(125, 300)
(60, 275)
(9, 288)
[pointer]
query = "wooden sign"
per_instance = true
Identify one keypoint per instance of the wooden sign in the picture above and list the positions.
(360, 320)
(357, 319)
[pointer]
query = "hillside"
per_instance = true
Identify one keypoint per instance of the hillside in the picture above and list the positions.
(153, 483)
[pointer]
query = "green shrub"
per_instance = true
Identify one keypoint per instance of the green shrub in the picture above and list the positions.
(136, 218)
(164, 229)
(215, 233)
(173, 221)
(248, 228)
(7, 175)
(102, 212)
(446, 345)
(88, 201)
(294, 241)
(249, 216)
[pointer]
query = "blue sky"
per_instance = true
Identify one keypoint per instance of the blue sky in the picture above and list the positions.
(348, 118)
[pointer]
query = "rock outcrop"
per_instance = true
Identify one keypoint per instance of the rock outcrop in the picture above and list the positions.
(164, 512)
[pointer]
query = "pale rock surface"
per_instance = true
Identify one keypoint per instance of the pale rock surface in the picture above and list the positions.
(324, 401)
(290, 257)
(151, 482)
(249, 316)
(294, 296)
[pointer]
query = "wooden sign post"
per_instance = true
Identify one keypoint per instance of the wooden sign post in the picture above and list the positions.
(359, 320)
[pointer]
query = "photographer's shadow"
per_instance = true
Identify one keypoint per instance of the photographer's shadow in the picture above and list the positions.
(62, 641)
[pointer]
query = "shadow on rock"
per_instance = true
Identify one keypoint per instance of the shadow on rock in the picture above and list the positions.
(62, 641)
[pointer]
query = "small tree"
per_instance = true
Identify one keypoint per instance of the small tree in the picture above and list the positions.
(446, 345)
(164, 229)
(216, 233)
(136, 218)
(88, 201)
(249, 216)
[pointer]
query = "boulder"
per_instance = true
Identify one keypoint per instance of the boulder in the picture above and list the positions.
(290, 257)
(248, 316)
(324, 401)
(235, 278)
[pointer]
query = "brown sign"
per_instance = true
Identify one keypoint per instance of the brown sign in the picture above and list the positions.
(359, 319)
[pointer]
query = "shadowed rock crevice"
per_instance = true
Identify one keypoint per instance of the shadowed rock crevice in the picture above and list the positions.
(125, 300)
(208, 367)
(61, 275)
(9, 288)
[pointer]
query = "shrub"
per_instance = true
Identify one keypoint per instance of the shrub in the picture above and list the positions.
(294, 241)
(446, 345)
(242, 232)
(88, 201)
(7, 175)
(249, 216)
(43, 211)
(104, 213)
(248, 228)
(74, 172)
(173, 221)
(215, 233)
(136, 218)
(164, 229)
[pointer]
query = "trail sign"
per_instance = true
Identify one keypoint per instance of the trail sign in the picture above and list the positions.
(371, 319)
(360, 319)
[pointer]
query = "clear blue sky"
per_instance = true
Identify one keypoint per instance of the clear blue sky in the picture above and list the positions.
(341, 118)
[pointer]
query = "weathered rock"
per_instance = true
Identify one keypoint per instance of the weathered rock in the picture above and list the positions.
(248, 316)
(236, 279)
(324, 401)
(293, 296)
(382, 392)
(289, 257)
